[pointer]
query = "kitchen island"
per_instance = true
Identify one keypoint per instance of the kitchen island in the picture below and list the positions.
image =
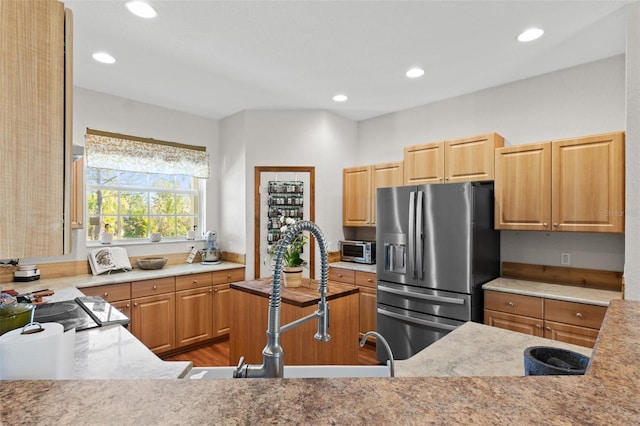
(607, 394)
(248, 312)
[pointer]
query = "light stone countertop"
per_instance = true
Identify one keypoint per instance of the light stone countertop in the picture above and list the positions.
(567, 293)
(362, 267)
(607, 394)
(80, 281)
(476, 350)
(112, 352)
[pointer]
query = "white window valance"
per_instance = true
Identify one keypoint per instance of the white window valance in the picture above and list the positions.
(116, 151)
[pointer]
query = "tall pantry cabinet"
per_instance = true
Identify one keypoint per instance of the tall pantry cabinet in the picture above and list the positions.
(35, 125)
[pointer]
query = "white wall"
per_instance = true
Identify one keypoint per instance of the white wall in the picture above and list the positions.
(632, 231)
(288, 138)
(583, 100)
(114, 114)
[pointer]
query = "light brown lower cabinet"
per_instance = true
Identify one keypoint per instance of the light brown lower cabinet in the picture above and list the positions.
(570, 322)
(366, 283)
(221, 301)
(153, 321)
(171, 313)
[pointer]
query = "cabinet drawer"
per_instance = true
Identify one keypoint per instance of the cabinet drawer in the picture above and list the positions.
(110, 292)
(152, 287)
(342, 275)
(186, 282)
(366, 279)
(579, 314)
(517, 304)
(228, 276)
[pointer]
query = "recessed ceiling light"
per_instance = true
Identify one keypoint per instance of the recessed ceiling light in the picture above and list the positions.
(104, 57)
(340, 98)
(141, 9)
(415, 72)
(530, 34)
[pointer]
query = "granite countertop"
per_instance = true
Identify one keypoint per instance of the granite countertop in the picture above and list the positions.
(477, 350)
(567, 293)
(305, 295)
(80, 281)
(607, 394)
(362, 267)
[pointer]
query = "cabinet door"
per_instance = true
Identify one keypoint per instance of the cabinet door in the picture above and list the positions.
(124, 306)
(573, 334)
(153, 320)
(521, 324)
(32, 112)
(368, 307)
(356, 196)
(471, 159)
(523, 187)
(424, 163)
(194, 310)
(384, 176)
(588, 184)
(221, 300)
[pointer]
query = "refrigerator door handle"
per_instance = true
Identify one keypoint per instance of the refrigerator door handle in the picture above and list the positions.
(419, 243)
(442, 299)
(412, 233)
(417, 321)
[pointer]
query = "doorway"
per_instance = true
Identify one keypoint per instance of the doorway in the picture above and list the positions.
(304, 178)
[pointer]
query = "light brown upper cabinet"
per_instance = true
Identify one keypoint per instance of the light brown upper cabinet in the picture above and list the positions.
(458, 160)
(359, 186)
(566, 185)
(35, 118)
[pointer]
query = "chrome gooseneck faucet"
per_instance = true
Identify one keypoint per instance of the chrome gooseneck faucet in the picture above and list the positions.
(273, 354)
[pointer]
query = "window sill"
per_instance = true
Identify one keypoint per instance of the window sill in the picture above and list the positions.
(120, 243)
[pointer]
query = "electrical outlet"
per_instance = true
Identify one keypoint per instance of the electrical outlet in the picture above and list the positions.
(190, 247)
(565, 258)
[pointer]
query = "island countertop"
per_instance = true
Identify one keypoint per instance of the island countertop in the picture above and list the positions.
(303, 296)
(607, 394)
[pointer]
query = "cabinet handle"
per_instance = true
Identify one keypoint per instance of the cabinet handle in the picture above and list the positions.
(79, 223)
(135, 304)
(510, 304)
(128, 305)
(538, 326)
(548, 328)
(105, 294)
(215, 291)
(155, 287)
(228, 275)
(446, 179)
(555, 225)
(578, 314)
(210, 291)
(369, 280)
(340, 275)
(545, 224)
(195, 281)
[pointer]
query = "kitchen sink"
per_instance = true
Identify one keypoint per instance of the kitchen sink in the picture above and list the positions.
(299, 371)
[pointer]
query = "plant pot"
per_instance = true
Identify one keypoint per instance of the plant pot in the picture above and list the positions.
(292, 276)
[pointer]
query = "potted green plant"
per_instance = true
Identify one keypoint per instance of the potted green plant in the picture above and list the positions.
(292, 261)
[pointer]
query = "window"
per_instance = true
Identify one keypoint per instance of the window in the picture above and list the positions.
(135, 205)
(140, 186)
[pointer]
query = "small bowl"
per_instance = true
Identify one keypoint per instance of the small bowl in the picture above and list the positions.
(151, 262)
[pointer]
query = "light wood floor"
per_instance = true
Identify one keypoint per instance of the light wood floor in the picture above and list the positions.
(217, 355)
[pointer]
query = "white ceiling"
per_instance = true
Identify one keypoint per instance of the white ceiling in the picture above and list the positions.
(215, 58)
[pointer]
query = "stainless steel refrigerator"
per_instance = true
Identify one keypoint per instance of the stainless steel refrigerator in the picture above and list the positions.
(436, 246)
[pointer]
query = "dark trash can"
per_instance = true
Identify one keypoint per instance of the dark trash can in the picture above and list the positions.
(544, 361)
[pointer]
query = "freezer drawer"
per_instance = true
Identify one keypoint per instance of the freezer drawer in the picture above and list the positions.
(410, 332)
(432, 302)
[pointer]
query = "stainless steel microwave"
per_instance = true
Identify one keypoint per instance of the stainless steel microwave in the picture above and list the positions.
(358, 251)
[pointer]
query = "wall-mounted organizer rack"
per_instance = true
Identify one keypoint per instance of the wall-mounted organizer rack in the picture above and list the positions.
(286, 198)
